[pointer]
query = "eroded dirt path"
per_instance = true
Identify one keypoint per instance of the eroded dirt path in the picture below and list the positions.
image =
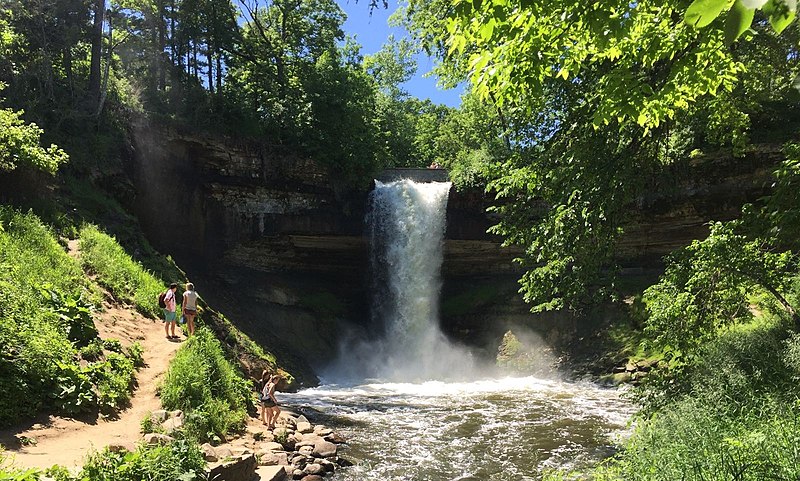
(67, 441)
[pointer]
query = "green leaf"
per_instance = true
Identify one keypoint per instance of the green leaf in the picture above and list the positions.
(702, 12)
(738, 21)
(779, 14)
(795, 84)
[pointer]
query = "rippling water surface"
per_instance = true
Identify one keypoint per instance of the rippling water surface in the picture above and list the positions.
(504, 429)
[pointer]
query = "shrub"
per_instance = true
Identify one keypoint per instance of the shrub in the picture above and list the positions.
(734, 415)
(125, 278)
(179, 460)
(92, 351)
(204, 384)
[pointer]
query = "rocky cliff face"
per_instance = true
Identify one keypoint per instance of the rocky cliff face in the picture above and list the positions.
(273, 241)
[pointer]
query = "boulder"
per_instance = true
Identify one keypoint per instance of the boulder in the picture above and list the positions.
(121, 447)
(239, 469)
(223, 452)
(327, 465)
(313, 477)
(307, 440)
(209, 454)
(273, 458)
(324, 449)
(302, 419)
(298, 474)
(299, 462)
(172, 424)
(272, 446)
(304, 427)
(306, 450)
(156, 438)
(344, 462)
(322, 431)
(313, 468)
(271, 473)
(158, 416)
(335, 438)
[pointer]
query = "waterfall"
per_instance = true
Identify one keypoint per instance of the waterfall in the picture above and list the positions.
(406, 233)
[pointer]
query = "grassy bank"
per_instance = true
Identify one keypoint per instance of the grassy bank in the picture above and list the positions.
(51, 356)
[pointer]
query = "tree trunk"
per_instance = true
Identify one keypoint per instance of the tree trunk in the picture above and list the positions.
(173, 55)
(97, 48)
(162, 45)
(210, 71)
(109, 53)
(68, 69)
(219, 71)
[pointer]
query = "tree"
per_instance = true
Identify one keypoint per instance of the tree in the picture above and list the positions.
(589, 96)
(19, 145)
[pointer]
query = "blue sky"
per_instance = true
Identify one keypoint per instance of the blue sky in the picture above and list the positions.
(371, 31)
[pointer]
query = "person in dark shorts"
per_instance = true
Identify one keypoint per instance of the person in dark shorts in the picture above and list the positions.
(269, 405)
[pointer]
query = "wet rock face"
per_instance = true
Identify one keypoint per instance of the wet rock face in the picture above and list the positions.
(271, 240)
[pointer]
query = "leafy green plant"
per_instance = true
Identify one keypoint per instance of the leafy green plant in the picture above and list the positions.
(19, 145)
(135, 352)
(179, 460)
(113, 345)
(72, 390)
(92, 351)
(74, 312)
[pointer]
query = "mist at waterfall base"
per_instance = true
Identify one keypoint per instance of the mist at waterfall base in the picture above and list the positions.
(406, 223)
(414, 406)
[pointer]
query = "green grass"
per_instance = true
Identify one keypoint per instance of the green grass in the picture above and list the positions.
(178, 460)
(125, 278)
(33, 341)
(207, 387)
(46, 324)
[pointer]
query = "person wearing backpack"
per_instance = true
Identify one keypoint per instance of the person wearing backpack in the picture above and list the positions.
(168, 302)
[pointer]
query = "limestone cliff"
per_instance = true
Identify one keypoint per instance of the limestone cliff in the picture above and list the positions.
(272, 240)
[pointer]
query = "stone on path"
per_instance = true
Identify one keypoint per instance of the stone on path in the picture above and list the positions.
(271, 473)
(156, 438)
(209, 454)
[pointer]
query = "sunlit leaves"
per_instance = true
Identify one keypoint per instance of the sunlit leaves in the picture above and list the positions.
(19, 145)
(702, 12)
(738, 21)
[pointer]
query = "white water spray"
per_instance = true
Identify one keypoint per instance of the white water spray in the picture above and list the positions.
(406, 227)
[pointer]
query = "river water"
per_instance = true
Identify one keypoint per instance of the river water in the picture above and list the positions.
(504, 429)
(437, 413)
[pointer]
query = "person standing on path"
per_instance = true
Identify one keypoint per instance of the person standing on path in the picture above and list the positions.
(189, 307)
(169, 311)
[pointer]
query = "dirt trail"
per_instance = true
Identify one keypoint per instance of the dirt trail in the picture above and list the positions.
(67, 441)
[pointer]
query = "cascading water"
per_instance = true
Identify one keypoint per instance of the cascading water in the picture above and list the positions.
(406, 226)
(413, 406)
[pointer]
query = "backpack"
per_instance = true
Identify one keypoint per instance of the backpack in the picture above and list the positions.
(162, 302)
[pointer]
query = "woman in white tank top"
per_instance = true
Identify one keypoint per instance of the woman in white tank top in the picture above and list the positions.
(189, 306)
